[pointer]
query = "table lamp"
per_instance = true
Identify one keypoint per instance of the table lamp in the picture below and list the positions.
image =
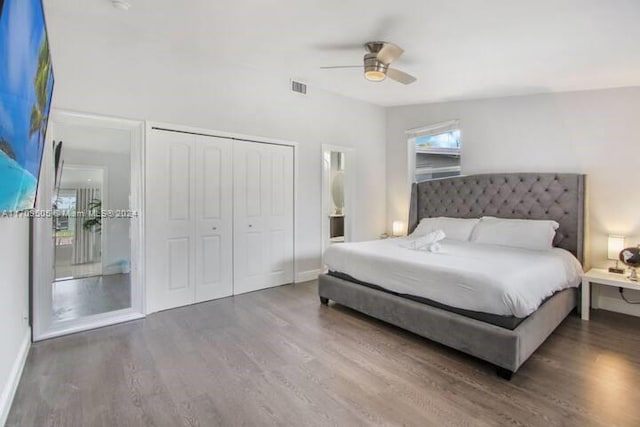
(615, 245)
(397, 228)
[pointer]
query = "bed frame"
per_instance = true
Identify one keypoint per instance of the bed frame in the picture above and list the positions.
(560, 197)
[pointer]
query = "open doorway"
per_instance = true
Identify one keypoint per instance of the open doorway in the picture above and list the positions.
(337, 196)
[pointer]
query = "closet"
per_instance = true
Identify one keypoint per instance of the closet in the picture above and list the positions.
(219, 217)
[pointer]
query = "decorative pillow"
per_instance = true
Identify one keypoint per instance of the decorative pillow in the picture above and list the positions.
(519, 233)
(454, 228)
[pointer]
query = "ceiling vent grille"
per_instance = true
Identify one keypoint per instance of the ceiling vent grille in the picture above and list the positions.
(298, 87)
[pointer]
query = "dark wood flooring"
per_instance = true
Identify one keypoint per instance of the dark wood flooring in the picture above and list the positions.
(278, 357)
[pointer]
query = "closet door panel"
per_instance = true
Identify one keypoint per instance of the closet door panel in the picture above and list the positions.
(214, 218)
(253, 256)
(179, 158)
(263, 215)
(169, 177)
(280, 217)
(278, 250)
(248, 202)
(212, 269)
(178, 251)
(219, 217)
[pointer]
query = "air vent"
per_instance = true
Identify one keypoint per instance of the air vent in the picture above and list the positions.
(298, 87)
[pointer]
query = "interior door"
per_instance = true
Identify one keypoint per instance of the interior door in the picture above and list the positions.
(263, 216)
(169, 217)
(214, 218)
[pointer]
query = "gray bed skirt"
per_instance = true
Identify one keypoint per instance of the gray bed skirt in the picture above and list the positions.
(507, 349)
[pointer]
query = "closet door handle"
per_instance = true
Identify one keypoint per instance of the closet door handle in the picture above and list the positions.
(250, 225)
(214, 228)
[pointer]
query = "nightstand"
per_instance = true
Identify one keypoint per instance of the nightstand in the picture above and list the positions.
(602, 277)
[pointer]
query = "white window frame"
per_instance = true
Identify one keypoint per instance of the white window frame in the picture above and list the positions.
(434, 129)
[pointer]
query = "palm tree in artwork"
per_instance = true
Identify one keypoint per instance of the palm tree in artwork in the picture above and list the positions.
(40, 83)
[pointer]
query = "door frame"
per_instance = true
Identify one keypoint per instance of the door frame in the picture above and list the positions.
(172, 127)
(42, 238)
(349, 185)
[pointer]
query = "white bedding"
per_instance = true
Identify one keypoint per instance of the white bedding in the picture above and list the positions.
(492, 279)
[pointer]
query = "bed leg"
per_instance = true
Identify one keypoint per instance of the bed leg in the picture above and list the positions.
(324, 301)
(503, 373)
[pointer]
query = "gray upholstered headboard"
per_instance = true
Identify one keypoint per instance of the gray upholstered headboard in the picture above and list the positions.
(556, 196)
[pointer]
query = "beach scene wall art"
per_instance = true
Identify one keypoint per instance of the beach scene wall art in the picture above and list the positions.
(26, 87)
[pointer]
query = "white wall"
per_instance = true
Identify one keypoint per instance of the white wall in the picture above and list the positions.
(591, 132)
(241, 100)
(115, 231)
(15, 334)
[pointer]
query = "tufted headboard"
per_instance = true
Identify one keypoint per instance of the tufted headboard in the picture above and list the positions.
(556, 196)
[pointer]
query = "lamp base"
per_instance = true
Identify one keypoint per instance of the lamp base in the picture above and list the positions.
(633, 276)
(616, 270)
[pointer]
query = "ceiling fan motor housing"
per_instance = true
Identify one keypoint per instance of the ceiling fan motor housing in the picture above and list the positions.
(374, 69)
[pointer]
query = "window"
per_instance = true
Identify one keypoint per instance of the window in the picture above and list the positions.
(64, 208)
(435, 151)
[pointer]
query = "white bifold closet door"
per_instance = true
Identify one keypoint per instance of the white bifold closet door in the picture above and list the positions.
(263, 216)
(189, 219)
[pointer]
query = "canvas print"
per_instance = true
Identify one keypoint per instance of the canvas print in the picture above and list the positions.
(26, 85)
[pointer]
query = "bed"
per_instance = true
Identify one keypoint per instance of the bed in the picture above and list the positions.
(504, 336)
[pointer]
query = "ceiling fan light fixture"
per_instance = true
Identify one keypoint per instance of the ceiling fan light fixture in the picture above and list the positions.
(374, 75)
(374, 70)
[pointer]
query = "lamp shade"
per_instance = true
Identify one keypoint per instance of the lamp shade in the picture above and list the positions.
(616, 244)
(398, 228)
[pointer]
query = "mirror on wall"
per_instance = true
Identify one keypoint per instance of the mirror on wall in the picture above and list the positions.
(337, 198)
(92, 250)
(87, 253)
(337, 213)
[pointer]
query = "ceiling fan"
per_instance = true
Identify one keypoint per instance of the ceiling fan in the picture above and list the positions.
(376, 63)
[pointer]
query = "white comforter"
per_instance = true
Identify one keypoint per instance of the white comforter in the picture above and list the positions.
(488, 278)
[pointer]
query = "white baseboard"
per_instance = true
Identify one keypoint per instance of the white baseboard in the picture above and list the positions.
(9, 391)
(618, 305)
(305, 276)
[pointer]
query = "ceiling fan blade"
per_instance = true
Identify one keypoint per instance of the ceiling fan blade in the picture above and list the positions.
(333, 67)
(337, 46)
(400, 76)
(389, 53)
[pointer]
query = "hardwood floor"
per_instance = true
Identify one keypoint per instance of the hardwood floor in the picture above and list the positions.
(278, 357)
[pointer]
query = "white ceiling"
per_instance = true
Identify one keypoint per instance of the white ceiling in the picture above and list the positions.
(458, 49)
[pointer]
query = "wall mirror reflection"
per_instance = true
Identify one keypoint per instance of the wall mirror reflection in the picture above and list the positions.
(87, 275)
(337, 175)
(92, 251)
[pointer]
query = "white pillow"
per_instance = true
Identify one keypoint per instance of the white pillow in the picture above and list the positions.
(454, 228)
(520, 233)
